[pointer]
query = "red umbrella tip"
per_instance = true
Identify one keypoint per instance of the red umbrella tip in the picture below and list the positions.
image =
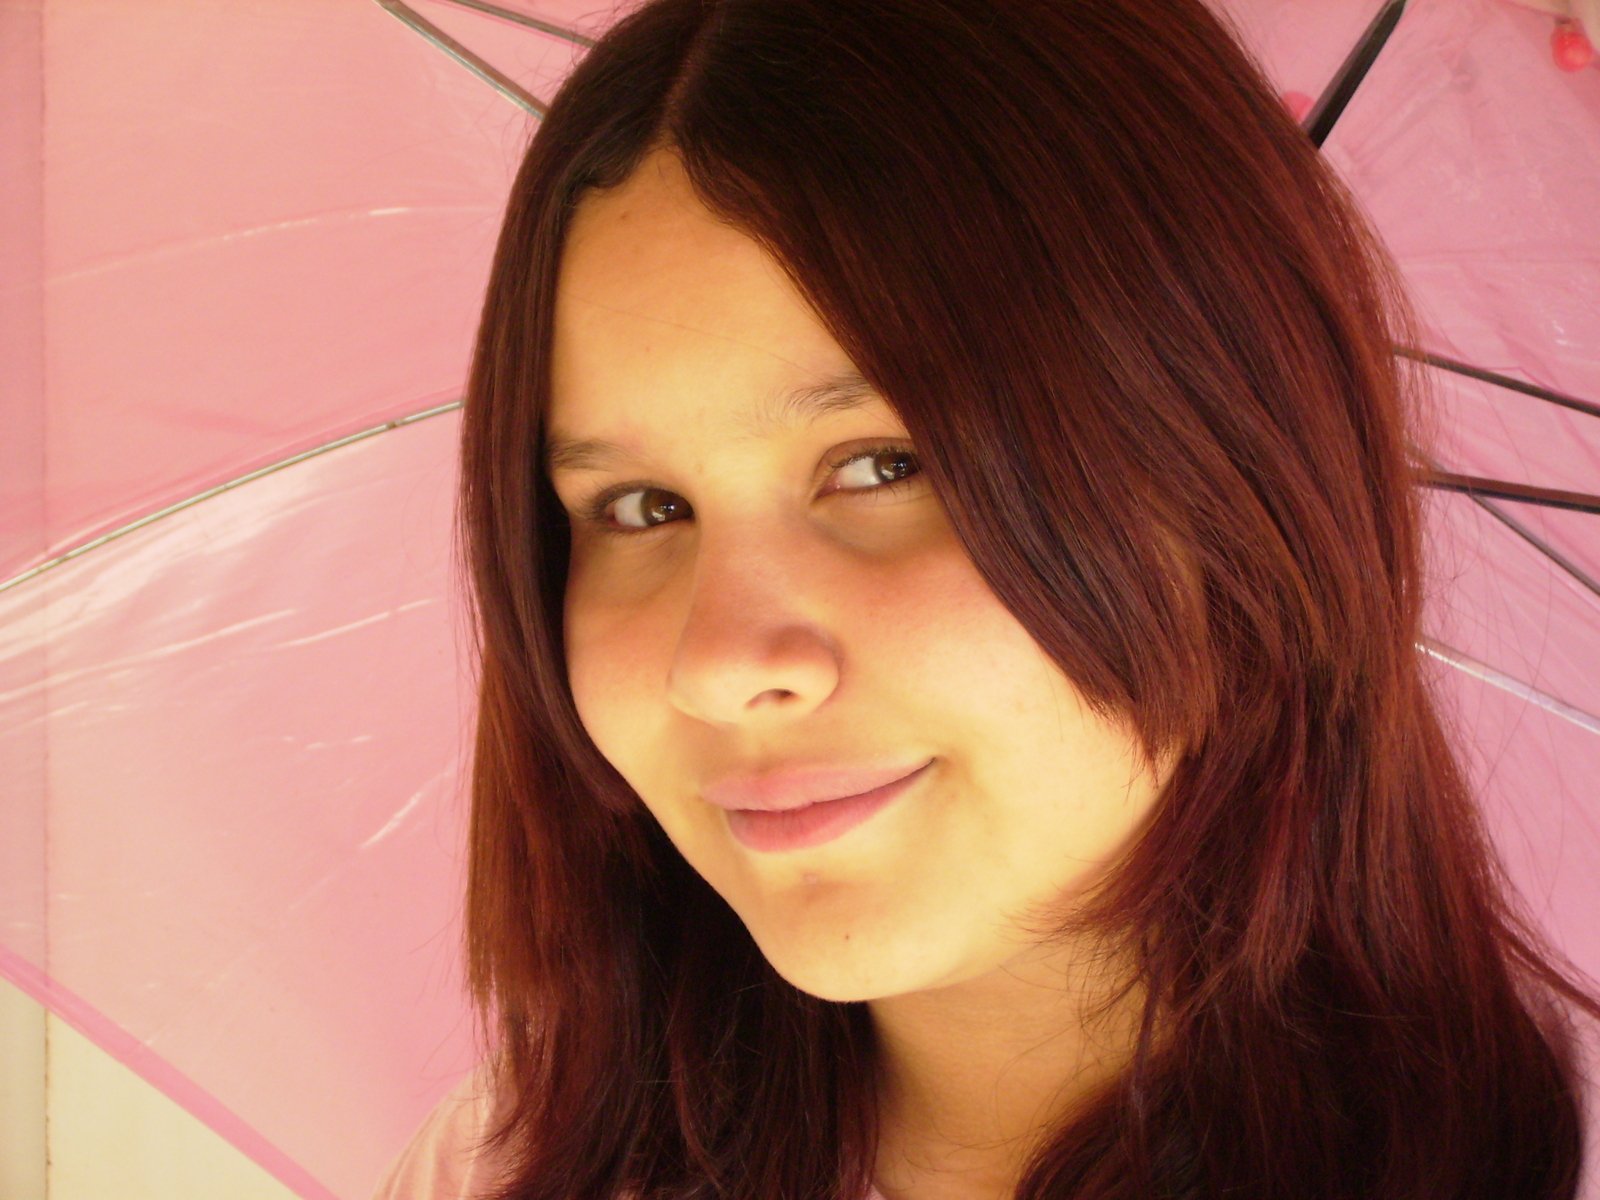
(1569, 47)
(1298, 103)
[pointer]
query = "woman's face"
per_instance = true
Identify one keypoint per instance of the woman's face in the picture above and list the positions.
(779, 611)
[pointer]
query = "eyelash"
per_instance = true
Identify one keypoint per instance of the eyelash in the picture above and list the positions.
(593, 511)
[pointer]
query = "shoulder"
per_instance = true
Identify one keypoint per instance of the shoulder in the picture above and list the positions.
(441, 1162)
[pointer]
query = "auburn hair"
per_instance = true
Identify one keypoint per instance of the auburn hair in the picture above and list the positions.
(1083, 243)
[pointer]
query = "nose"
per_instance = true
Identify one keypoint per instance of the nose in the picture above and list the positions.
(755, 645)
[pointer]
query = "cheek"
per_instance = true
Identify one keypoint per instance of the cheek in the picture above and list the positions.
(973, 661)
(612, 658)
(1061, 785)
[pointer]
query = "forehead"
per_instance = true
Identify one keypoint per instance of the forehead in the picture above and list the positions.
(773, 415)
(660, 304)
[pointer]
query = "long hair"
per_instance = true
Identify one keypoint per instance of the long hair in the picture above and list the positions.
(1146, 347)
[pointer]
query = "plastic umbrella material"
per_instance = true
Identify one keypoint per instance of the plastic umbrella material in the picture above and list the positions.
(245, 245)
(244, 251)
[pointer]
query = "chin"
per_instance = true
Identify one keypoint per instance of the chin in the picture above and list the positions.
(836, 989)
(841, 978)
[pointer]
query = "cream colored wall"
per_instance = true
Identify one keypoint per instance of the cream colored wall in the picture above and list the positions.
(110, 1134)
(22, 1034)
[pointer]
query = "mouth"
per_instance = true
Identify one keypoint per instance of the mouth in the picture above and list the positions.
(819, 823)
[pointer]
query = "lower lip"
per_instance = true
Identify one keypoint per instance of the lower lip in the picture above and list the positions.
(799, 828)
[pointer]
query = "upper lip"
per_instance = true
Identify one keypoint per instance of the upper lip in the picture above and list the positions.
(781, 788)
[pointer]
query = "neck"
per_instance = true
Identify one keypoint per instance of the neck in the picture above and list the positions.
(974, 1075)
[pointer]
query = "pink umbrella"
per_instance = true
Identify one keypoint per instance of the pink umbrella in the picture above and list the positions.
(245, 251)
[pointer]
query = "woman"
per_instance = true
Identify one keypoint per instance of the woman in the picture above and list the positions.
(987, 411)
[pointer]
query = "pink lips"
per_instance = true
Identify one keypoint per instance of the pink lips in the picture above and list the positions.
(814, 824)
(798, 786)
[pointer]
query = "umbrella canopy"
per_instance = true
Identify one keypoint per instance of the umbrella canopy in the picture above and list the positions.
(245, 249)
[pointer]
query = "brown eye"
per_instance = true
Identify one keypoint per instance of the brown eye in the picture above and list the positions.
(642, 508)
(897, 470)
(654, 507)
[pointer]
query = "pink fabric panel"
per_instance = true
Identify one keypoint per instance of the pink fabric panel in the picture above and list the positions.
(22, 406)
(257, 713)
(268, 225)
(22, 396)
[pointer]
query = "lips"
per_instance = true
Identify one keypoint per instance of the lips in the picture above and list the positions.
(788, 788)
(814, 824)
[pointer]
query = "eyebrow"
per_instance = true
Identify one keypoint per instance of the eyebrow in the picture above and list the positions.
(781, 412)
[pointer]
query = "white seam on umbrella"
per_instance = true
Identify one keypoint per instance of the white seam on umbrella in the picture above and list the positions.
(493, 76)
(1508, 683)
(449, 771)
(341, 630)
(223, 487)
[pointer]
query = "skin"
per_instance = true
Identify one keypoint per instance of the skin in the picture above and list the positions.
(766, 620)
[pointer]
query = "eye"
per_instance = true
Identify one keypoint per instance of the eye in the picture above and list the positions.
(643, 503)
